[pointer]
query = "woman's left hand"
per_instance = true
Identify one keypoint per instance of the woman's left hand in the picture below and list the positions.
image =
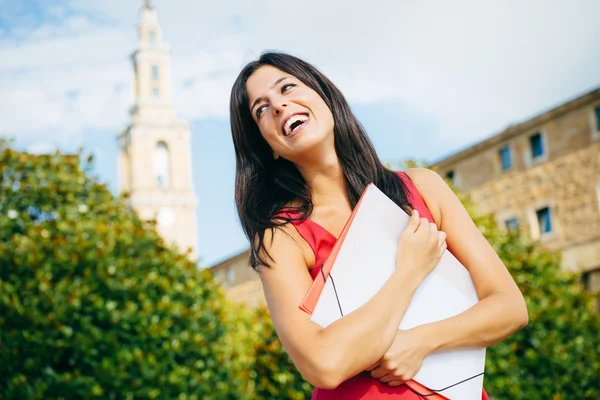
(404, 358)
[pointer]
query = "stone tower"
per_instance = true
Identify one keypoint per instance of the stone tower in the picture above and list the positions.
(155, 149)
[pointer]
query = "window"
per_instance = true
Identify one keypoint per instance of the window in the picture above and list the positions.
(230, 275)
(155, 92)
(155, 72)
(591, 283)
(597, 112)
(505, 158)
(450, 176)
(544, 220)
(512, 224)
(161, 165)
(598, 194)
(152, 37)
(537, 145)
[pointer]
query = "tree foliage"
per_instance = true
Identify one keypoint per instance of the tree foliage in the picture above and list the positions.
(273, 374)
(93, 304)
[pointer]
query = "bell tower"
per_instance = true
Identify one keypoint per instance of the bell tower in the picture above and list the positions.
(155, 149)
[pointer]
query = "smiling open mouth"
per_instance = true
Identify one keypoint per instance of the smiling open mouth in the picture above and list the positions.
(294, 123)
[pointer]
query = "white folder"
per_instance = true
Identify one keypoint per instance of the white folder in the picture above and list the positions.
(366, 260)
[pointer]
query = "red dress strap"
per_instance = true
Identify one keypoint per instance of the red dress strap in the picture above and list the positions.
(415, 198)
(320, 240)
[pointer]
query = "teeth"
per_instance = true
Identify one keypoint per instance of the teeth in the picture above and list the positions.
(287, 129)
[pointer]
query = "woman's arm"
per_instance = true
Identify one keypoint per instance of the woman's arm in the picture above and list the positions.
(328, 356)
(501, 310)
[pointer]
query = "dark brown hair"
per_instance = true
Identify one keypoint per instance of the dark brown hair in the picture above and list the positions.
(263, 185)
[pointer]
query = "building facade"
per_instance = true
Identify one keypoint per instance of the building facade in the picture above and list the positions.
(541, 176)
(155, 167)
(240, 281)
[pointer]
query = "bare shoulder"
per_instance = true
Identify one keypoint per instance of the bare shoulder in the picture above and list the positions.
(432, 188)
(424, 177)
(284, 242)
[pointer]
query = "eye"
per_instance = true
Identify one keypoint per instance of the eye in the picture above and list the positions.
(259, 111)
(286, 87)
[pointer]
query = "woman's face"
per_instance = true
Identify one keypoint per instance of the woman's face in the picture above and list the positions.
(291, 116)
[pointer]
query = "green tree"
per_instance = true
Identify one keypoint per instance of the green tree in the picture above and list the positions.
(273, 374)
(93, 304)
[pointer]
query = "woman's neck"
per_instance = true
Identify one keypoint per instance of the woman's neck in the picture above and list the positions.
(326, 182)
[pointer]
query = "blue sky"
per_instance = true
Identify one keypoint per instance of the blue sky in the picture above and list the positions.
(425, 78)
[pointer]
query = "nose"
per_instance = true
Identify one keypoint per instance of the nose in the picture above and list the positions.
(278, 107)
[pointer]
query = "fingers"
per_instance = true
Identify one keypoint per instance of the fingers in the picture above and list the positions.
(442, 244)
(388, 378)
(413, 222)
(380, 372)
(396, 377)
(396, 383)
(441, 238)
(433, 232)
(422, 227)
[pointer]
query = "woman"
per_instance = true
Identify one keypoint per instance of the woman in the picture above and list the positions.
(303, 160)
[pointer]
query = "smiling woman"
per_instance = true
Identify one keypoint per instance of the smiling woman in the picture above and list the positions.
(302, 162)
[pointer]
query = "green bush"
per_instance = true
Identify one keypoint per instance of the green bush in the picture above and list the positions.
(93, 304)
(273, 374)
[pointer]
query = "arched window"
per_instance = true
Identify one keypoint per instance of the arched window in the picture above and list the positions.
(152, 37)
(162, 170)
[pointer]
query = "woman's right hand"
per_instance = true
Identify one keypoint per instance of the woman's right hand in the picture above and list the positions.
(420, 247)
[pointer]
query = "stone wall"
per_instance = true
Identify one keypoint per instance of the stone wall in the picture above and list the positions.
(569, 186)
(565, 179)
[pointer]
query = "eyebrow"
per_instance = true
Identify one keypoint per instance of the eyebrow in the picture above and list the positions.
(277, 82)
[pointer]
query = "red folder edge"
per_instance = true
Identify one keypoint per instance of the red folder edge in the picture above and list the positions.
(312, 296)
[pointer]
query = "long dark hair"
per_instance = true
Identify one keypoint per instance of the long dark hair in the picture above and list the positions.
(263, 185)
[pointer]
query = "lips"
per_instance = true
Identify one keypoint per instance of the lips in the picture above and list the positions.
(293, 122)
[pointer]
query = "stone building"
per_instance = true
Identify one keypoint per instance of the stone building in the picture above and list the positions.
(155, 167)
(542, 176)
(239, 280)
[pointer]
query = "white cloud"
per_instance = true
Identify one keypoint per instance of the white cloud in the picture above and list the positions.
(472, 66)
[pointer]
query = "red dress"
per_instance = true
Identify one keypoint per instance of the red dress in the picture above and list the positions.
(361, 386)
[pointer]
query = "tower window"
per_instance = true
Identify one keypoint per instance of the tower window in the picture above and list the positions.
(152, 37)
(544, 218)
(155, 92)
(155, 72)
(505, 158)
(162, 165)
(537, 145)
